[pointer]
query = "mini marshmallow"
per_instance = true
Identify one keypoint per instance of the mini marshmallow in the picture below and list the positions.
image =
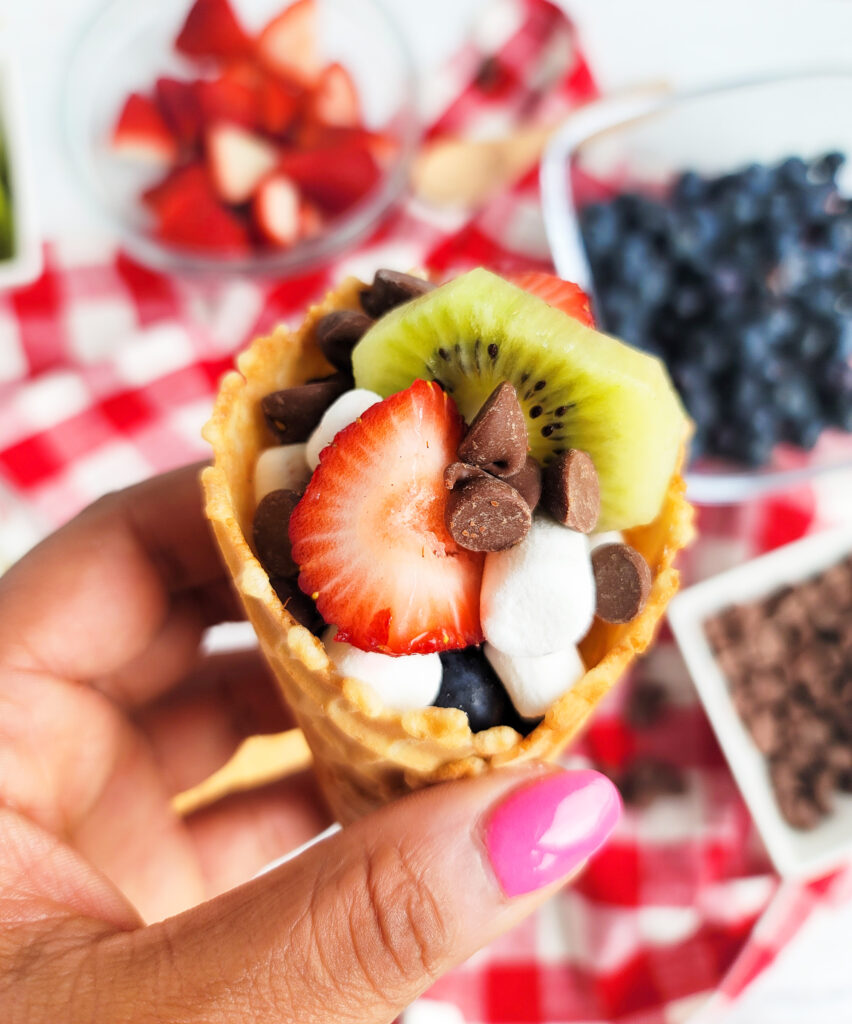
(597, 540)
(339, 414)
(539, 596)
(406, 683)
(284, 467)
(535, 683)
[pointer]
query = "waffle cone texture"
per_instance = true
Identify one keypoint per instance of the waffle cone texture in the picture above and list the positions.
(365, 755)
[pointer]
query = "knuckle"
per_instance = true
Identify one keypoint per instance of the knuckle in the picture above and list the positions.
(401, 919)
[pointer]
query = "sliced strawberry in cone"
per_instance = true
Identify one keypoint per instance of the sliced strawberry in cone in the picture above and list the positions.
(335, 98)
(369, 533)
(142, 133)
(277, 211)
(564, 295)
(334, 178)
(239, 161)
(180, 106)
(288, 44)
(211, 29)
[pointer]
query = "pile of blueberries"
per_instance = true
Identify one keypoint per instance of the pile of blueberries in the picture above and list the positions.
(742, 283)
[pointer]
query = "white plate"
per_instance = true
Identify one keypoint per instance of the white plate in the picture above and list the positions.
(26, 263)
(794, 853)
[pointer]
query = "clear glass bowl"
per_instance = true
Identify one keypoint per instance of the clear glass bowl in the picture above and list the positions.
(129, 45)
(644, 140)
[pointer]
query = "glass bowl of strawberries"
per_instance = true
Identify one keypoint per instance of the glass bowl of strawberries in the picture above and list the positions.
(245, 136)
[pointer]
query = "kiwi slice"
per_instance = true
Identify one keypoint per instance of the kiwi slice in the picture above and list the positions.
(578, 388)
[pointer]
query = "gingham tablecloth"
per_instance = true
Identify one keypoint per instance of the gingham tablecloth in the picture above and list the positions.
(107, 372)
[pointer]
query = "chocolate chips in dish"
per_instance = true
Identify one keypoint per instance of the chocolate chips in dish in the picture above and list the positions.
(788, 661)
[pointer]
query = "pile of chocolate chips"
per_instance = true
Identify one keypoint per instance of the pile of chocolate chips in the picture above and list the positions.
(788, 661)
(496, 486)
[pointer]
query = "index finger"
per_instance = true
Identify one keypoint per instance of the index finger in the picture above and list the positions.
(93, 595)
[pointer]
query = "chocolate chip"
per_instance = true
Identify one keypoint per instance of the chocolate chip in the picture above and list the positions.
(571, 491)
(623, 581)
(299, 605)
(647, 703)
(459, 473)
(647, 778)
(497, 438)
(338, 333)
(391, 289)
(527, 482)
(487, 514)
(270, 531)
(292, 414)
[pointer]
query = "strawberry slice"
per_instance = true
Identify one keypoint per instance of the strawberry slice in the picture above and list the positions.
(277, 211)
(335, 99)
(564, 295)
(239, 161)
(316, 135)
(183, 184)
(278, 104)
(369, 534)
(211, 29)
(191, 217)
(180, 106)
(335, 178)
(233, 96)
(288, 44)
(142, 133)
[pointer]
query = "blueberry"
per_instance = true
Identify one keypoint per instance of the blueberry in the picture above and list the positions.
(689, 188)
(825, 168)
(471, 684)
(793, 172)
(757, 179)
(600, 227)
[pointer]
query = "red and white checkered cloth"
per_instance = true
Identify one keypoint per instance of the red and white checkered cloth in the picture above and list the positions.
(107, 372)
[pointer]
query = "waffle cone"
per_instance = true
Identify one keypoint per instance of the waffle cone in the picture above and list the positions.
(365, 755)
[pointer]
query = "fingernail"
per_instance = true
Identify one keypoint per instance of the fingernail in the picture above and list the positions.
(543, 831)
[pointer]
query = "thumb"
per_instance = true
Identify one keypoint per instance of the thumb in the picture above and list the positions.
(357, 926)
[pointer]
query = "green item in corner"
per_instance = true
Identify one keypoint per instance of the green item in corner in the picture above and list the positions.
(7, 234)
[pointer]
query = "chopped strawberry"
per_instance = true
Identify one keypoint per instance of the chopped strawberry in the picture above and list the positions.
(335, 99)
(183, 184)
(239, 161)
(288, 44)
(233, 96)
(334, 178)
(142, 133)
(191, 217)
(277, 211)
(311, 220)
(181, 109)
(564, 295)
(369, 534)
(315, 134)
(278, 104)
(211, 29)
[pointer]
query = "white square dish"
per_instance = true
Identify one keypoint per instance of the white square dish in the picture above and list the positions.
(794, 853)
(26, 262)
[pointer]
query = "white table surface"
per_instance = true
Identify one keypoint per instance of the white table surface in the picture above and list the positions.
(685, 41)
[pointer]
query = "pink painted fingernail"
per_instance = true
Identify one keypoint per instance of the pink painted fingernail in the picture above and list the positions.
(543, 831)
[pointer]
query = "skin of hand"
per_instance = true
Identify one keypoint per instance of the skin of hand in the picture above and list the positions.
(113, 908)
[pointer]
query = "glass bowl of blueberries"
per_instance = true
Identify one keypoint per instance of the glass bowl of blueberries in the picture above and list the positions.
(714, 229)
